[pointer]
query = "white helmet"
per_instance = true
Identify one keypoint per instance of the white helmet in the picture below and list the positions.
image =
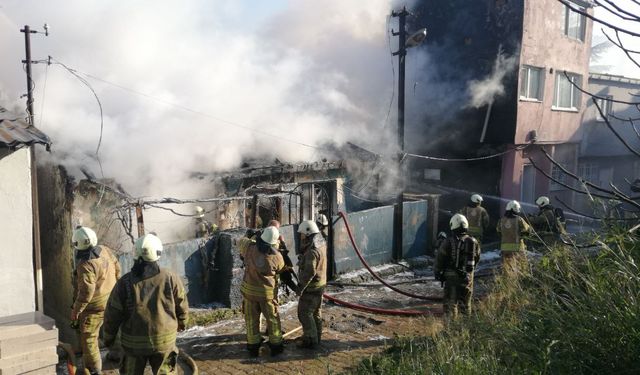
(199, 212)
(513, 206)
(542, 201)
(84, 238)
(322, 220)
(270, 235)
(476, 198)
(458, 221)
(149, 247)
(308, 227)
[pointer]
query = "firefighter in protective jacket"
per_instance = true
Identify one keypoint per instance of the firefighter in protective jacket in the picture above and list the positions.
(96, 272)
(455, 264)
(512, 228)
(262, 265)
(149, 306)
(548, 223)
(312, 281)
(477, 217)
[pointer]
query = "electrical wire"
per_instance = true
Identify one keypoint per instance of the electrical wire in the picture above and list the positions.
(193, 111)
(519, 148)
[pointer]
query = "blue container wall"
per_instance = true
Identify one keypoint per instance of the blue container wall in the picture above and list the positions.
(415, 233)
(373, 232)
(185, 259)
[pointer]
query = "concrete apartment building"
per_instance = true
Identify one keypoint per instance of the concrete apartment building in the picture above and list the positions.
(602, 157)
(538, 40)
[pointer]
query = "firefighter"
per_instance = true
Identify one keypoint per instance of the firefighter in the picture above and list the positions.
(455, 264)
(323, 224)
(96, 272)
(262, 265)
(512, 228)
(203, 227)
(312, 266)
(149, 306)
(548, 223)
(477, 216)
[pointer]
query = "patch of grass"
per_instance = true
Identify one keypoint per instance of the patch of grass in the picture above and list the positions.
(207, 317)
(569, 314)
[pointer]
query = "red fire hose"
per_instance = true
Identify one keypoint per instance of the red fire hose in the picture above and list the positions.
(376, 309)
(364, 262)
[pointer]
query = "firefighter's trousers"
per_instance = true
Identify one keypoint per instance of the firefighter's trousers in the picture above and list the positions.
(310, 315)
(252, 307)
(161, 363)
(90, 323)
(457, 294)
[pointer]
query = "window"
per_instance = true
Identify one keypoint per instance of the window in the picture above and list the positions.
(574, 22)
(605, 106)
(567, 95)
(531, 82)
(557, 174)
(589, 172)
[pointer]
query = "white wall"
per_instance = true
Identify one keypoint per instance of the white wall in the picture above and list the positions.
(17, 288)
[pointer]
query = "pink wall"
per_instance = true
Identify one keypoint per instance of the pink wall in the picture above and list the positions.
(545, 45)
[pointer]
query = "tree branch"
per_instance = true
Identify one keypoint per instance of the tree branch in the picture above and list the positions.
(606, 121)
(618, 12)
(586, 14)
(565, 185)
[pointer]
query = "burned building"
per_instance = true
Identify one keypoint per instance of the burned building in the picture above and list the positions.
(501, 81)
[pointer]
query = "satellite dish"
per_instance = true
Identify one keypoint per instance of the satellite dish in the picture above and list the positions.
(416, 38)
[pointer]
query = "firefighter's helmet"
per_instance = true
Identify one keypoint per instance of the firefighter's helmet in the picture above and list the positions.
(84, 238)
(149, 248)
(542, 201)
(308, 227)
(458, 221)
(476, 198)
(513, 206)
(199, 212)
(270, 235)
(322, 220)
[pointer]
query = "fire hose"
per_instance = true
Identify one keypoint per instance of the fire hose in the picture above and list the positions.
(377, 310)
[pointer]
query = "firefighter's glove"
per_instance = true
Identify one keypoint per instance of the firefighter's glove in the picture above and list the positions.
(181, 326)
(469, 269)
(75, 324)
(250, 233)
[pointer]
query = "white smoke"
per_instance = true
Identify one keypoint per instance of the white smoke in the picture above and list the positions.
(265, 80)
(485, 91)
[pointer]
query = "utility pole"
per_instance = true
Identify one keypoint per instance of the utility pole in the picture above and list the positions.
(401, 53)
(35, 211)
(27, 61)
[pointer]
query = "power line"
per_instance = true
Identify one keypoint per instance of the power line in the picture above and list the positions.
(193, 111)
(519, 148)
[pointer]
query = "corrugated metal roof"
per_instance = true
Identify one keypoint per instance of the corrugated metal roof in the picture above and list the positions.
(15, 132)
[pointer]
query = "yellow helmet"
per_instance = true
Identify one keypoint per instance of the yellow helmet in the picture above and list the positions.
(542, 201)
(513, 206)
(149, 248)
(270, 235)
(308, 227)
(199, 212)
(458, 221)
(84, 238)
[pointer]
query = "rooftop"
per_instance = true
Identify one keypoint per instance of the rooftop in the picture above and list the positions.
(16, 133)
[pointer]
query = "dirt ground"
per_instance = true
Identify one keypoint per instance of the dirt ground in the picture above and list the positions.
(349, 335)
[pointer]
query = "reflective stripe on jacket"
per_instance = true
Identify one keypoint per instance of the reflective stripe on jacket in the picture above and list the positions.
(260, 270)
(149, 309)
(94, 279)
(313, 265)
(511, 230)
